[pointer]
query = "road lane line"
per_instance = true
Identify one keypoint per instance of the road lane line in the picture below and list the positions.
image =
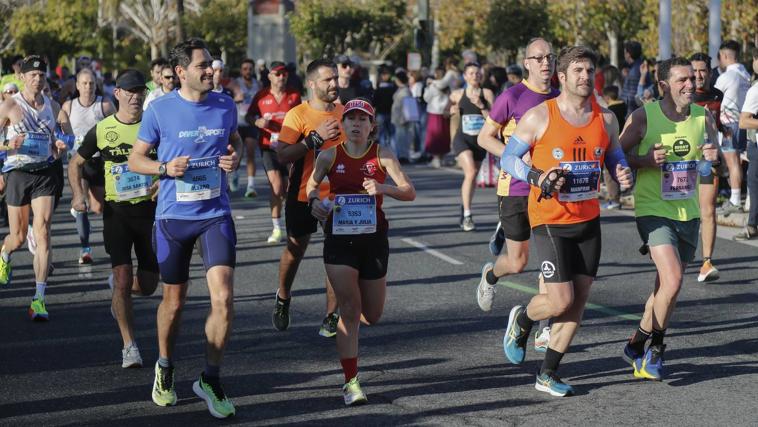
(596, 307)
(432, 252)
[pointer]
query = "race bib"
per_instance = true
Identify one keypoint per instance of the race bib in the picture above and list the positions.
(129, 185)
(36, 144)
(201, 181)
(678, 180)
(582, 181)
(354, 214)
(471, 124)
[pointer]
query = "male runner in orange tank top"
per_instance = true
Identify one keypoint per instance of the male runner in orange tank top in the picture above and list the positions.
(569, 138)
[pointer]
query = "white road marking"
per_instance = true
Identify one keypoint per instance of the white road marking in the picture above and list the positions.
(432, 252)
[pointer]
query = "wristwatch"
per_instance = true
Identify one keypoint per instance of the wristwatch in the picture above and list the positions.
(162, 169)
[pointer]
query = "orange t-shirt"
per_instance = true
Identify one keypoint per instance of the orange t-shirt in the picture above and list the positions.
(298, 123)
(580, 151)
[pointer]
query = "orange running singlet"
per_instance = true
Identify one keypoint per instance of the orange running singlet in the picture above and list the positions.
(581, 152)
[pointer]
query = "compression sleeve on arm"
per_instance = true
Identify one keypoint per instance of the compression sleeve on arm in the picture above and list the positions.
(613, 158)
(511, 161)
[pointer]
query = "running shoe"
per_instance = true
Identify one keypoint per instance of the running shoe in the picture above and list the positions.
(542, 340)
(728, 208)
(552, 383)
(468, 223)
(630, 355)
(218, 404)
(353, 394)
(485, 292)
(130, 357)
(163, 386)
(708, 273)
(85, 256)
(37, 310)
(514, 341)
(5, 272)
(277, 236)
(497, 240)
(250, 193)
(650, 366)
(31, 242)
(234, 181)
(329, 325)
(611, 205)
(750, 233)
(281, 316)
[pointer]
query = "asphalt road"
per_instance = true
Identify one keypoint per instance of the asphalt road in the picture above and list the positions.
(434, 359)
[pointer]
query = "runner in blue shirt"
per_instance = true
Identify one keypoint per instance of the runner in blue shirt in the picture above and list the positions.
(195, 132)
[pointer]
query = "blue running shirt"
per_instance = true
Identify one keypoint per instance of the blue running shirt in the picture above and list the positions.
(200, 130)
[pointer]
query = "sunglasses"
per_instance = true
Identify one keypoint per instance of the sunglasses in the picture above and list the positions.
(169, 77)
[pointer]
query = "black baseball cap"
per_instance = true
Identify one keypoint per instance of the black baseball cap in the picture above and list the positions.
(343, 59)
(130, 80)
(33, 63)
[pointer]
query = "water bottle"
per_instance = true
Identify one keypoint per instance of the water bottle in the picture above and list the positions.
(327, 204)
(704, 166)
(68, 139)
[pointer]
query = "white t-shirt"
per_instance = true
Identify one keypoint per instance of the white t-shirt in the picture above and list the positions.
(751, 106)
(734, 83)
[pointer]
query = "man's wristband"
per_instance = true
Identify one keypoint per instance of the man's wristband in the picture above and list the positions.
(533, 177)
(313, 140)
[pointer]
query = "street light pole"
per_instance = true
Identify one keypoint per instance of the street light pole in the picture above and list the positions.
(714, 31)
(250, 27)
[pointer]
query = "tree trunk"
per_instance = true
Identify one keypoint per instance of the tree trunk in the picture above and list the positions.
(613, 46)
(179, 33)
(154, 51)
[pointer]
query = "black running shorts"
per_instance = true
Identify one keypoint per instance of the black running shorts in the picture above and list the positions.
(271, 162)
(127, 225)
(298, 219)
(21, 187)
(514, 217)
(568, 250)
(367, 253)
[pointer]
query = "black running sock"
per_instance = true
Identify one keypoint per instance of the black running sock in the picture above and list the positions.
(638, 339)
(211, 371)
(657, 337)
(524, 321)
(551, 362)
(490, 277)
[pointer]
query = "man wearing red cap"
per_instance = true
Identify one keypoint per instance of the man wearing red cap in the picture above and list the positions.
(267, 112)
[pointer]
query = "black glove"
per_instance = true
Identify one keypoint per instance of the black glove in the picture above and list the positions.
(314, 141)
(548, 184)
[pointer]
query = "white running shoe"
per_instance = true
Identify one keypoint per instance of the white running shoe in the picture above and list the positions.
(485, 292)
(130, 357)
(277, 236)
(542, 340)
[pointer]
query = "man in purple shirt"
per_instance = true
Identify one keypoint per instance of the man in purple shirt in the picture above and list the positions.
(508, 109)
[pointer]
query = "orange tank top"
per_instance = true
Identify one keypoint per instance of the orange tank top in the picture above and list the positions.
(581, 152)
(346, 176)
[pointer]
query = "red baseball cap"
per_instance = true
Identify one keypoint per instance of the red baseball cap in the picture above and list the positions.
(359, 104)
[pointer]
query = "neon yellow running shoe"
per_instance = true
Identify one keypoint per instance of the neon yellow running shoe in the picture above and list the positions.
(37, 310)
(5, 272)
(353, 394)
(218, 404)
(163, 386)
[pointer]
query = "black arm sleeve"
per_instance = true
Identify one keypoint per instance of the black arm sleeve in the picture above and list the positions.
(89, 145)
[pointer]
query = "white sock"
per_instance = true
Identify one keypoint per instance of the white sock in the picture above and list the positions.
(277, 223)
(250, 181)
(736, 198)
(6, 256)
(40, 290)
(466, 212)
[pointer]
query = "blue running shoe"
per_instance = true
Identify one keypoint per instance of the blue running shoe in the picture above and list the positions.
(514, 341)
(650, 366)
(630, 355)
(551, 383)
(497, 240)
